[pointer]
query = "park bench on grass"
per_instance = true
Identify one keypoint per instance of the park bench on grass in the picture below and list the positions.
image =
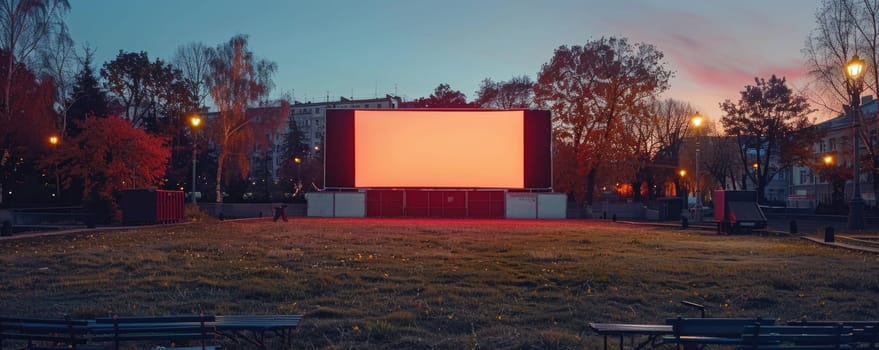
(169, 331)
(44, 333)
(760, 337)
(253, 329)
(652, 333)
(863, 332)
(694, 333)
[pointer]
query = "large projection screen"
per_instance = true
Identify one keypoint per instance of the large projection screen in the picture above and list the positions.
(437, 149)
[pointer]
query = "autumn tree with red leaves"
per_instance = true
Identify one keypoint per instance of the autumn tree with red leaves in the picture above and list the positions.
(108, 156)
(25, 128)
(593, 92)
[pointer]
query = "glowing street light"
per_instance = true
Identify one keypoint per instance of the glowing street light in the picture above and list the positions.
(194, 121)
(697, 120)
(828, 161)
(298, 162)
(854, 73)
(682, 173)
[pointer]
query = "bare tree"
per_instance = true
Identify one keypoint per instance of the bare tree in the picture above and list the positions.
(845, 28)
(237, 81)
(518, 92)
(194, 60)
(830, 45)
(656, 138)
(57, 60)
(24, 24)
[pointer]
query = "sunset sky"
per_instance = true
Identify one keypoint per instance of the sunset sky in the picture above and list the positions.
(369, 48)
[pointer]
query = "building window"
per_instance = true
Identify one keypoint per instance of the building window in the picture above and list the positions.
(366, 105)
(832, 144)
(821, 146)
(379, 106)
(802, 177)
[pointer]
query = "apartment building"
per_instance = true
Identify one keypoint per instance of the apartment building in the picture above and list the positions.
(807, 188)
(311, 117)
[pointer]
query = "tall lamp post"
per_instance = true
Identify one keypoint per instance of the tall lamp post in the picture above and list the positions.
(854, 73)
(53, 140)
(195, 121)
(697, 123)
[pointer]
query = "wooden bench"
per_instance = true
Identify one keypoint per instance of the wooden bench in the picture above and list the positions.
(760, 337)
(45, 333)
(693, 333)
(168, 330)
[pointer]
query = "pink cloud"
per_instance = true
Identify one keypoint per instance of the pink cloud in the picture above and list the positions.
(718, 54)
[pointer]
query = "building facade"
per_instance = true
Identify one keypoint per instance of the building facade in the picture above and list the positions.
(808, 189)
(310, 117)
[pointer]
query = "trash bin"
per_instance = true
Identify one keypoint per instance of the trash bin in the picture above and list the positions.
(829, 234)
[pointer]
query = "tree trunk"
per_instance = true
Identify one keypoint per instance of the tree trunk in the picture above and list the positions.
(590, 185)
(221, 159)
(7, 106)
(636, 191)
(761, 192)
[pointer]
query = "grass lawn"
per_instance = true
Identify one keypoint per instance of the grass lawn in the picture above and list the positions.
(445, 284)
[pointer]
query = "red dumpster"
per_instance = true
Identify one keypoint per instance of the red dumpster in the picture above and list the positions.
(151, 206)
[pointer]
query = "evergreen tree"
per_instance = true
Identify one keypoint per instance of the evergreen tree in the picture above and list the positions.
(293, 141)
(88, 98)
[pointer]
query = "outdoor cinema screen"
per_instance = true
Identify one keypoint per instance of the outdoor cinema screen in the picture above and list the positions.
(411, 148)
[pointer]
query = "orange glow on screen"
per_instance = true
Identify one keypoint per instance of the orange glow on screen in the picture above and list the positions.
(461, 149)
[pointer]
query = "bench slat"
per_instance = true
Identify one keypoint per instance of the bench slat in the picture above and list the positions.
(796, 337)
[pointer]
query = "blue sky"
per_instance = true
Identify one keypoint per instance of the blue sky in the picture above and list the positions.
(368, 48)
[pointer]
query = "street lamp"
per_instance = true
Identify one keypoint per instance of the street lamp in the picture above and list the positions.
(682, 173)
(828, 161)
(53, 140)
(697, 123)
(195, 121)
(854, 73)
(298, 162)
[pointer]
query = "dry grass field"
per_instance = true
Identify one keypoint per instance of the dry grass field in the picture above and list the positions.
(435, 284)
